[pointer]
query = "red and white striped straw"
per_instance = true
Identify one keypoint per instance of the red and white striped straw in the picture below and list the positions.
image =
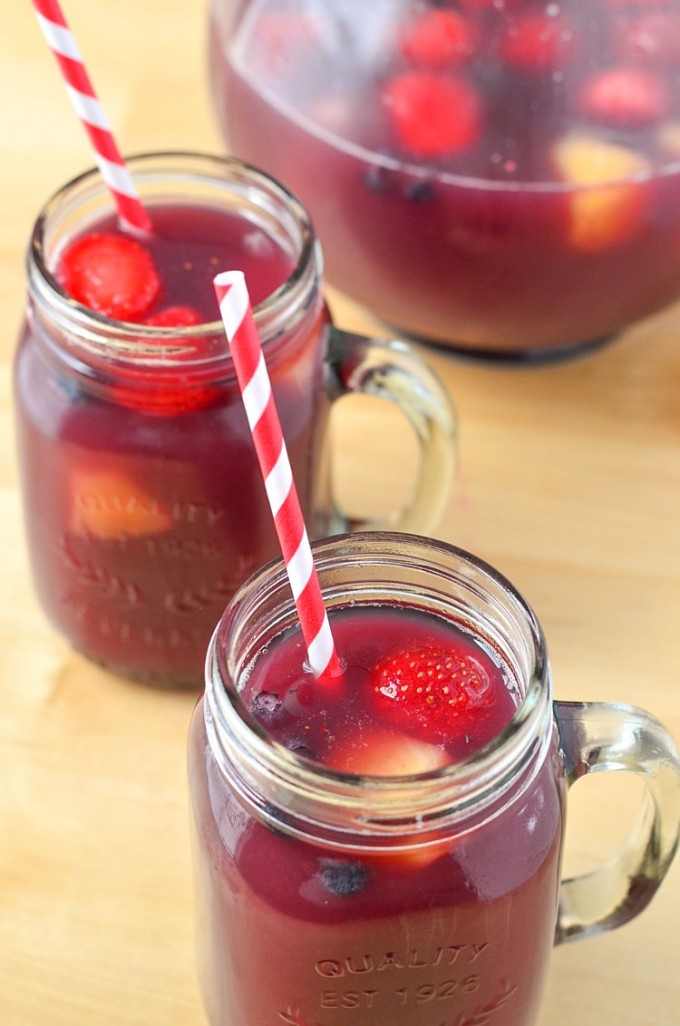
(265, 426)
(81, 92)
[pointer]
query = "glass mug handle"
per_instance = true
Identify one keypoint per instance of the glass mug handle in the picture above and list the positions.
(391, 370)
(605, 736)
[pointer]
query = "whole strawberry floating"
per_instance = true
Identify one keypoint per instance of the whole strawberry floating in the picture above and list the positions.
(651, 38)
(111, 274)
(436, 38)
(537, 42)
(432, 114)
(174, 317)
(443, 692)
(437, 123)
(625, 97)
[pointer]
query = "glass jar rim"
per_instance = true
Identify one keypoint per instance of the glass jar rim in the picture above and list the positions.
(458, 792)
(160, 342)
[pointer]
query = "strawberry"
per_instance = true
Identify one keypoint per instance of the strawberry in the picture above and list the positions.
(618, 5)
(175, 317)
(625, 97)
(536, 42)
(437, 38)
(432, 114)
(652, 38)
(433, 689)
(491, 5)
(281, 39)
(111, 274)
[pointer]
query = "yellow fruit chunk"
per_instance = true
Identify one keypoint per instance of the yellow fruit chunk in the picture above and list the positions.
(108, 505)
(394, 755)
(388, 755)
(606, 207)
(669, 138)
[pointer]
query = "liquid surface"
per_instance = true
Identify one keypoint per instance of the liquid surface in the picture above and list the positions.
(189, 245)
(532, 71)
(544, 216)
(408, 679)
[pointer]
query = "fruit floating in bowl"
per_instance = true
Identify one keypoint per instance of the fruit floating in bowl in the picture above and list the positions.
(497, 177)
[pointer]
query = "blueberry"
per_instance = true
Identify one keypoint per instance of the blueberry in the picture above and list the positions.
(343, 878)
(378, 179)
(420, 192)
(300, 748)
(266, 706)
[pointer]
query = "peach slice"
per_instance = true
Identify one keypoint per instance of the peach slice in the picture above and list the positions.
(388, 755)
(606, 207)
(394, 755)
(669, 138)
(108, 505)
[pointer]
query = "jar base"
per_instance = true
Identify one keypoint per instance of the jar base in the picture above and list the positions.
(147, 678)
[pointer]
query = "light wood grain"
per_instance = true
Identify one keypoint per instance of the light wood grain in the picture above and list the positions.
(569, 482)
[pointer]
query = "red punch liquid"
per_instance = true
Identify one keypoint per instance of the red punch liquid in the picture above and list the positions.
(189, 245)
(504, 180)
(379, 696)
(445, 936)
(144, 503)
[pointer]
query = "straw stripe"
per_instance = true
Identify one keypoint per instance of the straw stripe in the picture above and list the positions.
(51, 9)
(88, 108)
(270, 447)
(234, 303)
(59, 38)
(257, 393)
(83, 98)
(321, 650)
(300, 567)
(278, 482)
(74, 73)
(267, 442)
(117, 177)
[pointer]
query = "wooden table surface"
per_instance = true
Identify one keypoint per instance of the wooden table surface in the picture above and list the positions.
(569, 483)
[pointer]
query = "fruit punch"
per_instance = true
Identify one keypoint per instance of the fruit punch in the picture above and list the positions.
(143, 499)
(495, 176)
(364, 851)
